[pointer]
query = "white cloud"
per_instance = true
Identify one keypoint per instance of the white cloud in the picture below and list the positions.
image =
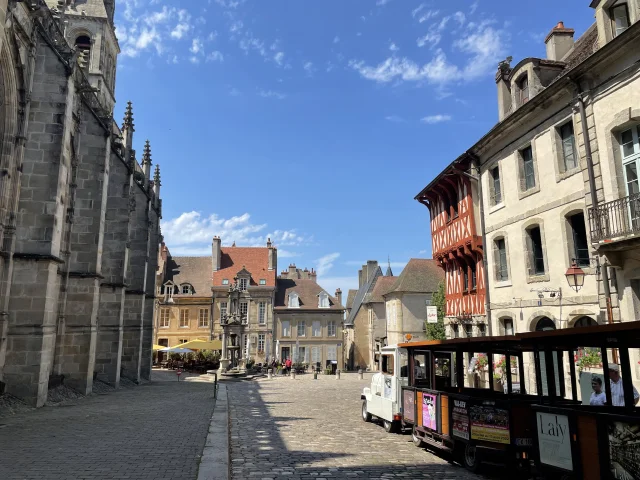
(428, 14)
(433, 119)
(271, 94)
(395, 119)
(196, 46)
(309, 68)
(393, 47)
(325, 263)
(483, 45)
(422, 252)
(215, 56)
(279, 58)
(180, 30)
(474, 7)
(191, 233)
(460, 18)
(417, 10)
(382, 2)
(431, 38)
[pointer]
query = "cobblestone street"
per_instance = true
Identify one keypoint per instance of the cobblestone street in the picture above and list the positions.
(302, 428)
(153, 431)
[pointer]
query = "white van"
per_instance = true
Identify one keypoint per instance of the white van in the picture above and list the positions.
(383, 398)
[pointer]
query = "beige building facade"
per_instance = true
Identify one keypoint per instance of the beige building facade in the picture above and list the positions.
(308, 321)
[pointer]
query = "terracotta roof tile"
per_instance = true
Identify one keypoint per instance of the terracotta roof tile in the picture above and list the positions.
(307, 291)
(254, 259)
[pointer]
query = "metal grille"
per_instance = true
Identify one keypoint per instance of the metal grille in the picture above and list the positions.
(615, 219)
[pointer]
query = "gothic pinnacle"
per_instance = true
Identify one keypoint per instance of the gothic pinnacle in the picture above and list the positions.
(156, 176)
(146, 155)
(128, 117)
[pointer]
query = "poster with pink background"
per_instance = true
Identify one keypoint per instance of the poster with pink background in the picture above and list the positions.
(429, 411)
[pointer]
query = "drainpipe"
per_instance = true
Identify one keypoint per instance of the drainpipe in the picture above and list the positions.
(594, 198)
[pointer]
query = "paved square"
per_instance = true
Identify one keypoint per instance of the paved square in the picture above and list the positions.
(295, 429)
(153, 431)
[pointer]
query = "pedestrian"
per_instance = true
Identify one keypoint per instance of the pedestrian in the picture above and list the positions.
(617, 391)
(288, 365)
(598, 397)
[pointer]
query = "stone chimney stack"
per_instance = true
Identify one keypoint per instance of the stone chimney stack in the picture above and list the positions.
(559, 42)
(216, 253)
(338, 296)
(313, 275)
(292, 270)
(372, 266)
(273, 256)
(504, 88)
(360, 282)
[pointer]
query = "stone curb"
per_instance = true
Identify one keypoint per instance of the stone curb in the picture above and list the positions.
(214, 464)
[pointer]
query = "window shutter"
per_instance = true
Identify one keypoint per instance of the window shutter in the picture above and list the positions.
(529, 253)
(496, 261)
(521, 171)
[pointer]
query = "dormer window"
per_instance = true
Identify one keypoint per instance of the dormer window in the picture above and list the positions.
(225, 281)
(294, 301)
(523, 90)
(186, 289)
(323, 300)
(619, 18)
(168, 289)
(263, 281)
(243, 283)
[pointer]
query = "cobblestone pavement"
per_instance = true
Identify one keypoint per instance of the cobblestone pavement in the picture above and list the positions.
(154, 431)
(284, 428)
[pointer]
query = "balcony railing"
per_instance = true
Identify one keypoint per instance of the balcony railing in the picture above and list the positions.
(615, 220)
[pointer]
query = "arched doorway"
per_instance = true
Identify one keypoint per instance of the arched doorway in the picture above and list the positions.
(585, 322)
(544, 324)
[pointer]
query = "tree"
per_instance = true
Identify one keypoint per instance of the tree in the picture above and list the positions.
(435, 331)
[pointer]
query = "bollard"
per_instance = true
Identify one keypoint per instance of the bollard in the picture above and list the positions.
(215, 381)
(315, 375)
(337, 374)
(360, 374)
(293, 374)
(269, 373)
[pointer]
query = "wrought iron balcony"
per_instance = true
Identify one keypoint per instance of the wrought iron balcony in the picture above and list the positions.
(616, 220)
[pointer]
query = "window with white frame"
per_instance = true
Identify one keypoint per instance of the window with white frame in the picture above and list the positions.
(331, 328)
(316, 355)
(186, 289)
(203, 317)
(302, 327)
(169, 289)
(244, 309)
(184, 318)
(316, 329)
(261, 340)
(225, 281)
(164, 318)
(223, 309)
(630, 152)
(619, 15)
(263, 281)
(262, 313)
(535, 254)
(495, 188)
(302, 355)
(332, 352)
(500, 259)
(323, 300)
(293, 300)
(183, 340)
(527, 169)
(286, 328)
(508, 326)
(244, 282)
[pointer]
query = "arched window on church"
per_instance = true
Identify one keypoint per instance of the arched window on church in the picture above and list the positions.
(83, 44)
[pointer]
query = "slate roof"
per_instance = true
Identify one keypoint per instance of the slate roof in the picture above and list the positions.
(351, 295)
(254, 259)
(307, 290)
(361, 294)
(583, 48)
(382, 286)
(193, 270)
(419, 276)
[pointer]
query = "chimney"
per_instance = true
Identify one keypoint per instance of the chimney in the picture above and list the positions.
(504, 88)
(338, 296)
(312, 275)
(292, 270)
(360, 282)
(216, 253)
(559, 42)
(273, 256)
(372, 266)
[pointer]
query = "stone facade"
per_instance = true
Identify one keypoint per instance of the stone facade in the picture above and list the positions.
(79, 216)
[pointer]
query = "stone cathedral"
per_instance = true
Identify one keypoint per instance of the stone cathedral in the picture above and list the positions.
(79, 215)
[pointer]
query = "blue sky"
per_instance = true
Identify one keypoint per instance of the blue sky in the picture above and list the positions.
(316, 123)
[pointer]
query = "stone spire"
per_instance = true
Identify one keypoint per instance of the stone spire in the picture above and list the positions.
(156, 184)
(127, 132)
(389, 272)
(146, 161)
(128, 117)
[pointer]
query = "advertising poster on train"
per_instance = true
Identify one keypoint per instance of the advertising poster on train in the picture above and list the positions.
(429, 411)
(624, 450)
(460, 419)
(554, 440)
(489, 424)
(408, 405)
(387, 387)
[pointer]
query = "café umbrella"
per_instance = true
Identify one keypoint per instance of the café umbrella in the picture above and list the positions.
(177, 349)
(203, 345)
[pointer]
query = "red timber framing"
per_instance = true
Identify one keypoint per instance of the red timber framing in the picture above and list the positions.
(456, 245)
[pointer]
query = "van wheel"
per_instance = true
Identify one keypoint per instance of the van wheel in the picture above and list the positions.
(417, 441)
(470, 458)
(366, 416)
(390, 427)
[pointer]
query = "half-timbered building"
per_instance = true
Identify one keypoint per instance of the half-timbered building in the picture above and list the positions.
(456, 242)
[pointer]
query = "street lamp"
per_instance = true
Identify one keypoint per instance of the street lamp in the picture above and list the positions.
(575, 276)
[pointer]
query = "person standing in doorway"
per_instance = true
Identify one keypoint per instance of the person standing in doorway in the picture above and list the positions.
(598, 397)
(617, 391)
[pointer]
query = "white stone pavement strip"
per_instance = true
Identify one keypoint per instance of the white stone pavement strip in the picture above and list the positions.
(214, 464)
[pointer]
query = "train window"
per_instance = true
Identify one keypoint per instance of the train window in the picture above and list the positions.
(422, 369)
(404, 364)
(387, 364)
(616, 370)
(443, 370)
